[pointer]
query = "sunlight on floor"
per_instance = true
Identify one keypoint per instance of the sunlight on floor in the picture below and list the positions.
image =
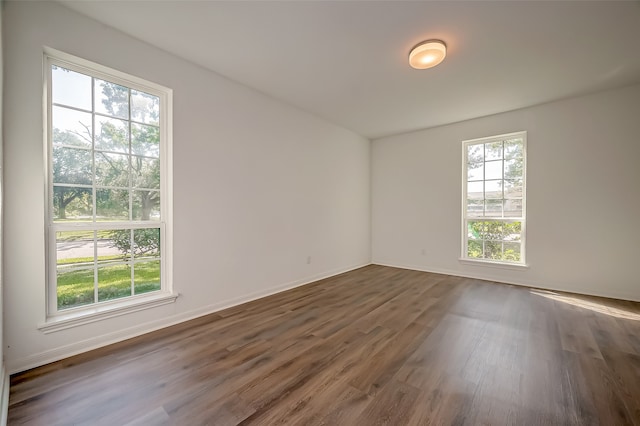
(588, 304)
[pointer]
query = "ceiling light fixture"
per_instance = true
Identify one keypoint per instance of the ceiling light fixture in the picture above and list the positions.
(427, 54)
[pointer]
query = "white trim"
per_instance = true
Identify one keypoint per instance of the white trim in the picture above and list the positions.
(165, 95)
(464, 218)
(4, 396)
(523, 283)
(99, 312)
(56, 354)
(166, 196)
(493, 264)
(50, 302)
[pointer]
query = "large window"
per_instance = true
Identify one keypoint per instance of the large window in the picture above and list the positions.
(494, 199)
(108, 186)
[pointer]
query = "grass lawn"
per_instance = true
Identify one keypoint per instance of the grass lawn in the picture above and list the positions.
(89, 259)
(75, 288)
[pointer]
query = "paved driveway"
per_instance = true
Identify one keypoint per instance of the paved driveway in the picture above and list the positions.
(83, 248)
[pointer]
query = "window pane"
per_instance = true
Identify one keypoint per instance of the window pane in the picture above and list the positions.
(493, 189)
(72, 203)
(105, 172)
(493, 151)
(111, 99)
(71, 127)
(146, 277)
(112, 169)
(475, 190)
(475, 171)
(494, 198)
(494, 230)
(113, 245)
(112, 204)
(75, 260)
(513, 169)
(513, 208)
(71, 166)
(475, 153)
(493, 170)
(493, 250)
(145, 108)
(475, 229)
(74, 248)
(512, 231)
(146, 243)
(513, 188)
(70, 88)
(114, 281)
(146, 172)
(513, 148)
(118, 243)
(146, 205)
(112, 134)
(145, 140)
(512, 252)
(74, 286)
(493, 208)
(474, 249)
(475, 208)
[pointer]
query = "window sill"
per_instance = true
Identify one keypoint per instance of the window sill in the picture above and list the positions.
(91, 314)
(493, 264)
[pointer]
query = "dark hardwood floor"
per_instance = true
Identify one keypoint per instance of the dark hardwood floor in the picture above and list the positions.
(377, 345)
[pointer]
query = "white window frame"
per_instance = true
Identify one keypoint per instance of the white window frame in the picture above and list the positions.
(57, 320)
(464, 228)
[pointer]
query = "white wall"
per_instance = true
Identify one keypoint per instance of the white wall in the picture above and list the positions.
(4, 378)
(258, 186)
(583, 189)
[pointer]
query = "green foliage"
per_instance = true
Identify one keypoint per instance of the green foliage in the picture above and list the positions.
(77, 260)
(495, 240)
(112, 203)
(511, 255)
(510, 152)
(492, 151)
(496, 230)
(74, 166)
(145, 140)
(120, 155)
(111, 135)
(70, 166)
(474, 249)
(146, 242)
(116, 98)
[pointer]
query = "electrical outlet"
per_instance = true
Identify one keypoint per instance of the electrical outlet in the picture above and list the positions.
(308, 260)
(424, 252)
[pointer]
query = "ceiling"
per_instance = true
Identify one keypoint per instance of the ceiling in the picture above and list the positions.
(346, 61)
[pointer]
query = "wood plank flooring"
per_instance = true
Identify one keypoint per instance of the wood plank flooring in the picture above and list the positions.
(377, 345)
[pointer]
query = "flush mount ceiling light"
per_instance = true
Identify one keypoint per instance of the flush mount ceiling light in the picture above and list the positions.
(427, 54)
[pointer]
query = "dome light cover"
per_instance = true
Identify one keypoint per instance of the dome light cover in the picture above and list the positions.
(427, 54)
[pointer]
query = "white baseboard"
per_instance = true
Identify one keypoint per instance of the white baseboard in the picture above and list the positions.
(523, 282)
(4, 396)
(56, 354)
